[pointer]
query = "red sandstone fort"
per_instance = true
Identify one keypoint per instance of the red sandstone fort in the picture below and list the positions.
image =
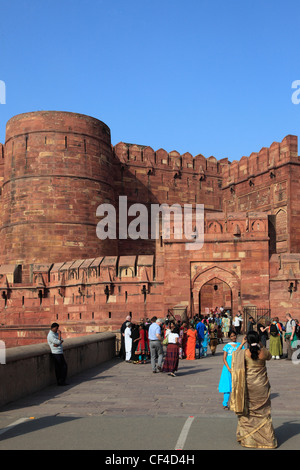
(56, 168)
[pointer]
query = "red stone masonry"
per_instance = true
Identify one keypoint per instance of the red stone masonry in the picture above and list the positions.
(56, 168)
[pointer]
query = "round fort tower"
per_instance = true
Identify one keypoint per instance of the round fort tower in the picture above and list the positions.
(58, 169)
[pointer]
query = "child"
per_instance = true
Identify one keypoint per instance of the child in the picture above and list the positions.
(219, 334)
(213, 341)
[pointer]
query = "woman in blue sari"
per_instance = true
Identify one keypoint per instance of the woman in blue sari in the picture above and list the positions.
(225, 386)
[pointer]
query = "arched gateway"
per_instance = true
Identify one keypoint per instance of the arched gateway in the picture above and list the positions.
(215, 286)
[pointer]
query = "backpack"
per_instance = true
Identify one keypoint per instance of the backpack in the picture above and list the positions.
(297, 331)
(273, 330)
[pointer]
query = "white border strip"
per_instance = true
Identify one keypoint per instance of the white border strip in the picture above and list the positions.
(184, 433)
(10, 426)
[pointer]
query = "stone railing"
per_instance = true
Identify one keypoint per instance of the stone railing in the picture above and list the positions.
(29, 369)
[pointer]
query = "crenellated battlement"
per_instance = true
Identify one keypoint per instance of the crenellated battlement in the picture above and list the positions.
(132, 154)
(267, 159)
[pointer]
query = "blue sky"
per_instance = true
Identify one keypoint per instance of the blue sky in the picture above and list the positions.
(211, 77)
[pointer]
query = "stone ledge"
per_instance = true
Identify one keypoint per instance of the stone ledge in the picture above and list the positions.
(29, 369)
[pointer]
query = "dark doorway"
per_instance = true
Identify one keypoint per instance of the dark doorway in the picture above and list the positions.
(215, 293)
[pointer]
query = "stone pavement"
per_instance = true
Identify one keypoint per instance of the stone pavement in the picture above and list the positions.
(120, 405)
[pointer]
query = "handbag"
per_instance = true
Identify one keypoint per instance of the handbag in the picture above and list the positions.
(165, 341)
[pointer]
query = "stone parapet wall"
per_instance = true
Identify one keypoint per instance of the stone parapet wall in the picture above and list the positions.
(29, 369)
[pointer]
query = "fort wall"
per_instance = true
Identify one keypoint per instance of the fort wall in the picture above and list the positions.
(262, 182)
(171, 177)
(56, 168)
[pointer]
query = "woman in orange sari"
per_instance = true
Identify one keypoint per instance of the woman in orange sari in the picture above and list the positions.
(250, 397)
(191, 342)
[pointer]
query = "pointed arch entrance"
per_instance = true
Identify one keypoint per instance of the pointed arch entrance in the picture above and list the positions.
(215, 284)
(215, 293)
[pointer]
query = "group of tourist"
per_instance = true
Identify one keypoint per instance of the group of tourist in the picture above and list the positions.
(243, 382)
(276, 332)
(145, 340)
(202, 333)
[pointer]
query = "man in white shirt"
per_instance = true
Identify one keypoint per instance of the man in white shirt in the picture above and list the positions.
(55, 342)
(237, 323)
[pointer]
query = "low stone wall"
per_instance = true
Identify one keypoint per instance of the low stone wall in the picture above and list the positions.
(29, 369)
